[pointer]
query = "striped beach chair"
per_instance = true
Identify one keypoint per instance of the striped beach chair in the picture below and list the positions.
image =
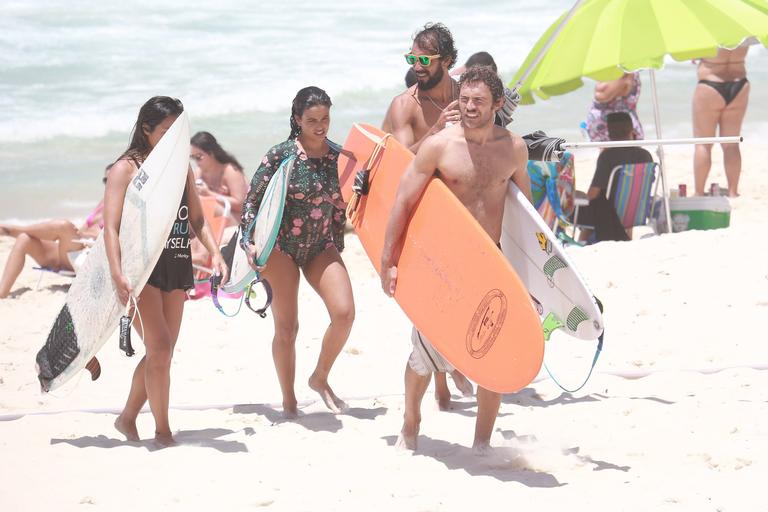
(631, 192)
(552, 189)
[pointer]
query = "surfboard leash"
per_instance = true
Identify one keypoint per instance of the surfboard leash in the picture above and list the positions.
(126, 321)
(550, 324)
(246, 297)
(361, 185)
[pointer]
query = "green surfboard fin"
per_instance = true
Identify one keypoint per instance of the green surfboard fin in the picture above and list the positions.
(550, 324)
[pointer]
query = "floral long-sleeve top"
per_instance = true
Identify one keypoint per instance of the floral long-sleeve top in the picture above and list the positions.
(314, 214)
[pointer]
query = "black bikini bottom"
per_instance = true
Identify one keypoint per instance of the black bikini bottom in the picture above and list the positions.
(728, 90)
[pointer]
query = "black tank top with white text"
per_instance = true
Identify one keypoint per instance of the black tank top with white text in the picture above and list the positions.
(174, 268)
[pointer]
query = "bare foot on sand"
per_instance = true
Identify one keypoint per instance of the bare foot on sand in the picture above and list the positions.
(481, 448)
(462, 383)
(407, 440)
(332, 402)
(443, 400)
(127, 428)
(165, 439)
(290, 411)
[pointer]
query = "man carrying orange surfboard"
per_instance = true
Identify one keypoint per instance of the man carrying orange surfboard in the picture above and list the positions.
(423, 110)
(475, 159)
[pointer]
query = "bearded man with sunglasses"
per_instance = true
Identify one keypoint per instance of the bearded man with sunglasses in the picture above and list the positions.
(422, 110)
(425, 108)
(475, 159)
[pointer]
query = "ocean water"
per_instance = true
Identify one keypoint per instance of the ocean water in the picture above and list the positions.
(73, 75)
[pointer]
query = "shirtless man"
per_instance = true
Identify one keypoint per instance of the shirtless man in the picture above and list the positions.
(475, 159)
(425, 108)
(421, 111)
(720, 99)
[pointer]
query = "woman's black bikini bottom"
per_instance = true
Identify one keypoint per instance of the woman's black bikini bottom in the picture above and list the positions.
(728, 90)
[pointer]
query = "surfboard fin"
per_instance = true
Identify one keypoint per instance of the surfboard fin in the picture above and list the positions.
(550, 324)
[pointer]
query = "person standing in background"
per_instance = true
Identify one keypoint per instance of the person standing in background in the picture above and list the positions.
(720, 100)
(619, 95)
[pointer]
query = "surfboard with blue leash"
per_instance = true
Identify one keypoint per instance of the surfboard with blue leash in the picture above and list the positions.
(560, 294)
(263, 232)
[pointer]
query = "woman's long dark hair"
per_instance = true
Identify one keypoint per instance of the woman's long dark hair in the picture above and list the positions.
(208, 143)
(151, 114)
(306, 98)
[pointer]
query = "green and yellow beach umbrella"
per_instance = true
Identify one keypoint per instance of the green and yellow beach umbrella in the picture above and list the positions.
(601, 39)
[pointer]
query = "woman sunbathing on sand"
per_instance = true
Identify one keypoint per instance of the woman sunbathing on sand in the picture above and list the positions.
(56, 244)
(310, 239)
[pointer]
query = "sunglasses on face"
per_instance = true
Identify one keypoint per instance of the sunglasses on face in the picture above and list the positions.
(424, 60)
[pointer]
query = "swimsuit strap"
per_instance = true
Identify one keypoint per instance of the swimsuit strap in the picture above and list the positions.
(90, 220)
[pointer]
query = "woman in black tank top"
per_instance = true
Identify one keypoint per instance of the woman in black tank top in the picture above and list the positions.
(174, 268)
(161, 302)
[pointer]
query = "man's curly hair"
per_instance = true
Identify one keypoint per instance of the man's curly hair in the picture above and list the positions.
(486, 75)
(436, 38)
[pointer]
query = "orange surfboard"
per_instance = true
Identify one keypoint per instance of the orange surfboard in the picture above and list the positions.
(454, 284)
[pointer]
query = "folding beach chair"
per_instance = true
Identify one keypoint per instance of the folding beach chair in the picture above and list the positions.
(217, 224)
(552, 190)
(631, 191)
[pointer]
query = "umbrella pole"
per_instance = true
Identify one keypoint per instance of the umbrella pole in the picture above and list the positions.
(660, 151)
(737, 139)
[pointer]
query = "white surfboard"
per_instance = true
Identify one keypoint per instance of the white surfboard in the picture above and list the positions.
(91, 312)
(265, 229)
(561, 296)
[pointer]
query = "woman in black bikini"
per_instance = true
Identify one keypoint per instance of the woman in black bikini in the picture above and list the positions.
(720, 99)
(311, 239)
(161, 302)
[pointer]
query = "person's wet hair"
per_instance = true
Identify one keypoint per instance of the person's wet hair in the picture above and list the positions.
(436, 38)
(208, 143)
(481, 59)
(151, 114)
(486, 75)
(619, 125)
(306, 98)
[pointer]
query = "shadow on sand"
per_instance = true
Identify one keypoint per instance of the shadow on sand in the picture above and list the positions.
(503, 463)
(528, 397)
(206, 438)
(320, 421)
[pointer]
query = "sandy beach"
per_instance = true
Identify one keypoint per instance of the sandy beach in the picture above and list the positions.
(672, 418)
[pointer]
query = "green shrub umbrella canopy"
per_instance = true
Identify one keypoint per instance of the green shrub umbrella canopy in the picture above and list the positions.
(605, 38)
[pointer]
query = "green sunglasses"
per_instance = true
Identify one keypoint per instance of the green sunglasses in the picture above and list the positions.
(424, 60)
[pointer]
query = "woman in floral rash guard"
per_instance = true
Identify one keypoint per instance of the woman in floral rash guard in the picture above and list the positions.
(311, 238)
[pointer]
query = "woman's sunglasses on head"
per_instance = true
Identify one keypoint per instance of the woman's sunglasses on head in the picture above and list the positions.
(424, 60)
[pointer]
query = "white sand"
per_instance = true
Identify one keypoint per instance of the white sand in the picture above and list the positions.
(677, 439)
